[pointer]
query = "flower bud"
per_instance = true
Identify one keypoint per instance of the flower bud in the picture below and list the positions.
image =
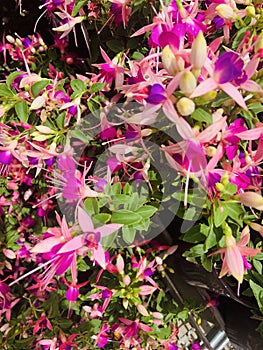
(171, 63)
(10, 39)
(225, 11)
(187, 83)
(126, 280)
(198, 52)
(185, 106)
(250, 11)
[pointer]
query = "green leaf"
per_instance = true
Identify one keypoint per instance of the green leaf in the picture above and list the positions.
(220, 214)
(234, 211)
(96, 87)
(102, 218)
(194, 235)
(78, 85)
(211, 240)
(91, 206)
(12, 77)
(108, 241)
(146, 211)
(183, 315)
(116, 188)
(125, 217)
(257, 265)
(22, 111)
(258, 293)
(77, 6)
(78, 134)
(207, 263)
(129, 234)
(121, 198)
(202, 116)
(239, 37)
(39, 86)
(65, 323)
(5, 92)
(115, 45)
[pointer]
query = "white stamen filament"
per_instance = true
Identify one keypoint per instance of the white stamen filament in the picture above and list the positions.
(30, 272)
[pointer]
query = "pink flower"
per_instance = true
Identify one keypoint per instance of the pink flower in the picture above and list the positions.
(233, 255)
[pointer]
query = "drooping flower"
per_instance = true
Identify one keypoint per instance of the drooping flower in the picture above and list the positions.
(233, 255)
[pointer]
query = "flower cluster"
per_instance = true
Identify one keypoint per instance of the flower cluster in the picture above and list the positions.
(135, 113)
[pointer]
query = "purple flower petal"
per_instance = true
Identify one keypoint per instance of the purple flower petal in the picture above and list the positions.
(228, 67)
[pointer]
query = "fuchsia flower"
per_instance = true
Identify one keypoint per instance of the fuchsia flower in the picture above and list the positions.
(91, 238)
(234, 255)
(101, 339)
(228, 73)
(42, 323)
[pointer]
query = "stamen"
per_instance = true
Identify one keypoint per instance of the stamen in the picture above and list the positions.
(30, 272)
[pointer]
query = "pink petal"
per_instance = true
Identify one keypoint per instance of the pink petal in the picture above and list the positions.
(74, 244)
(170, 112)
(204, 87)
(252, 134)
(211, 131)
(251, 86)
(235, 263)
(108, 229)
(99, 256)
(247, 251)
(233, 92)
(85, 221)
(185, 129)
(145, 328)
(46, 245)
(145, 289)
(251, 199)
(252, 65)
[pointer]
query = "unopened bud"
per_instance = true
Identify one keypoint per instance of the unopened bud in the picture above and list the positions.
(187, 83)
(210, 151)
(198, 52)
(250, 11)
(225, 11)
(171, 63)
(126, 280)
(185, 106)
(10, 39)
(18, 42)
(209, 96)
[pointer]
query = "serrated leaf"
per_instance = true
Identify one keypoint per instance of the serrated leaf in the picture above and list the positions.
(22, 111)
(125, 217)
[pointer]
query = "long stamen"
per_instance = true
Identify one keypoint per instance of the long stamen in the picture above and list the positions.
(30, 272)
